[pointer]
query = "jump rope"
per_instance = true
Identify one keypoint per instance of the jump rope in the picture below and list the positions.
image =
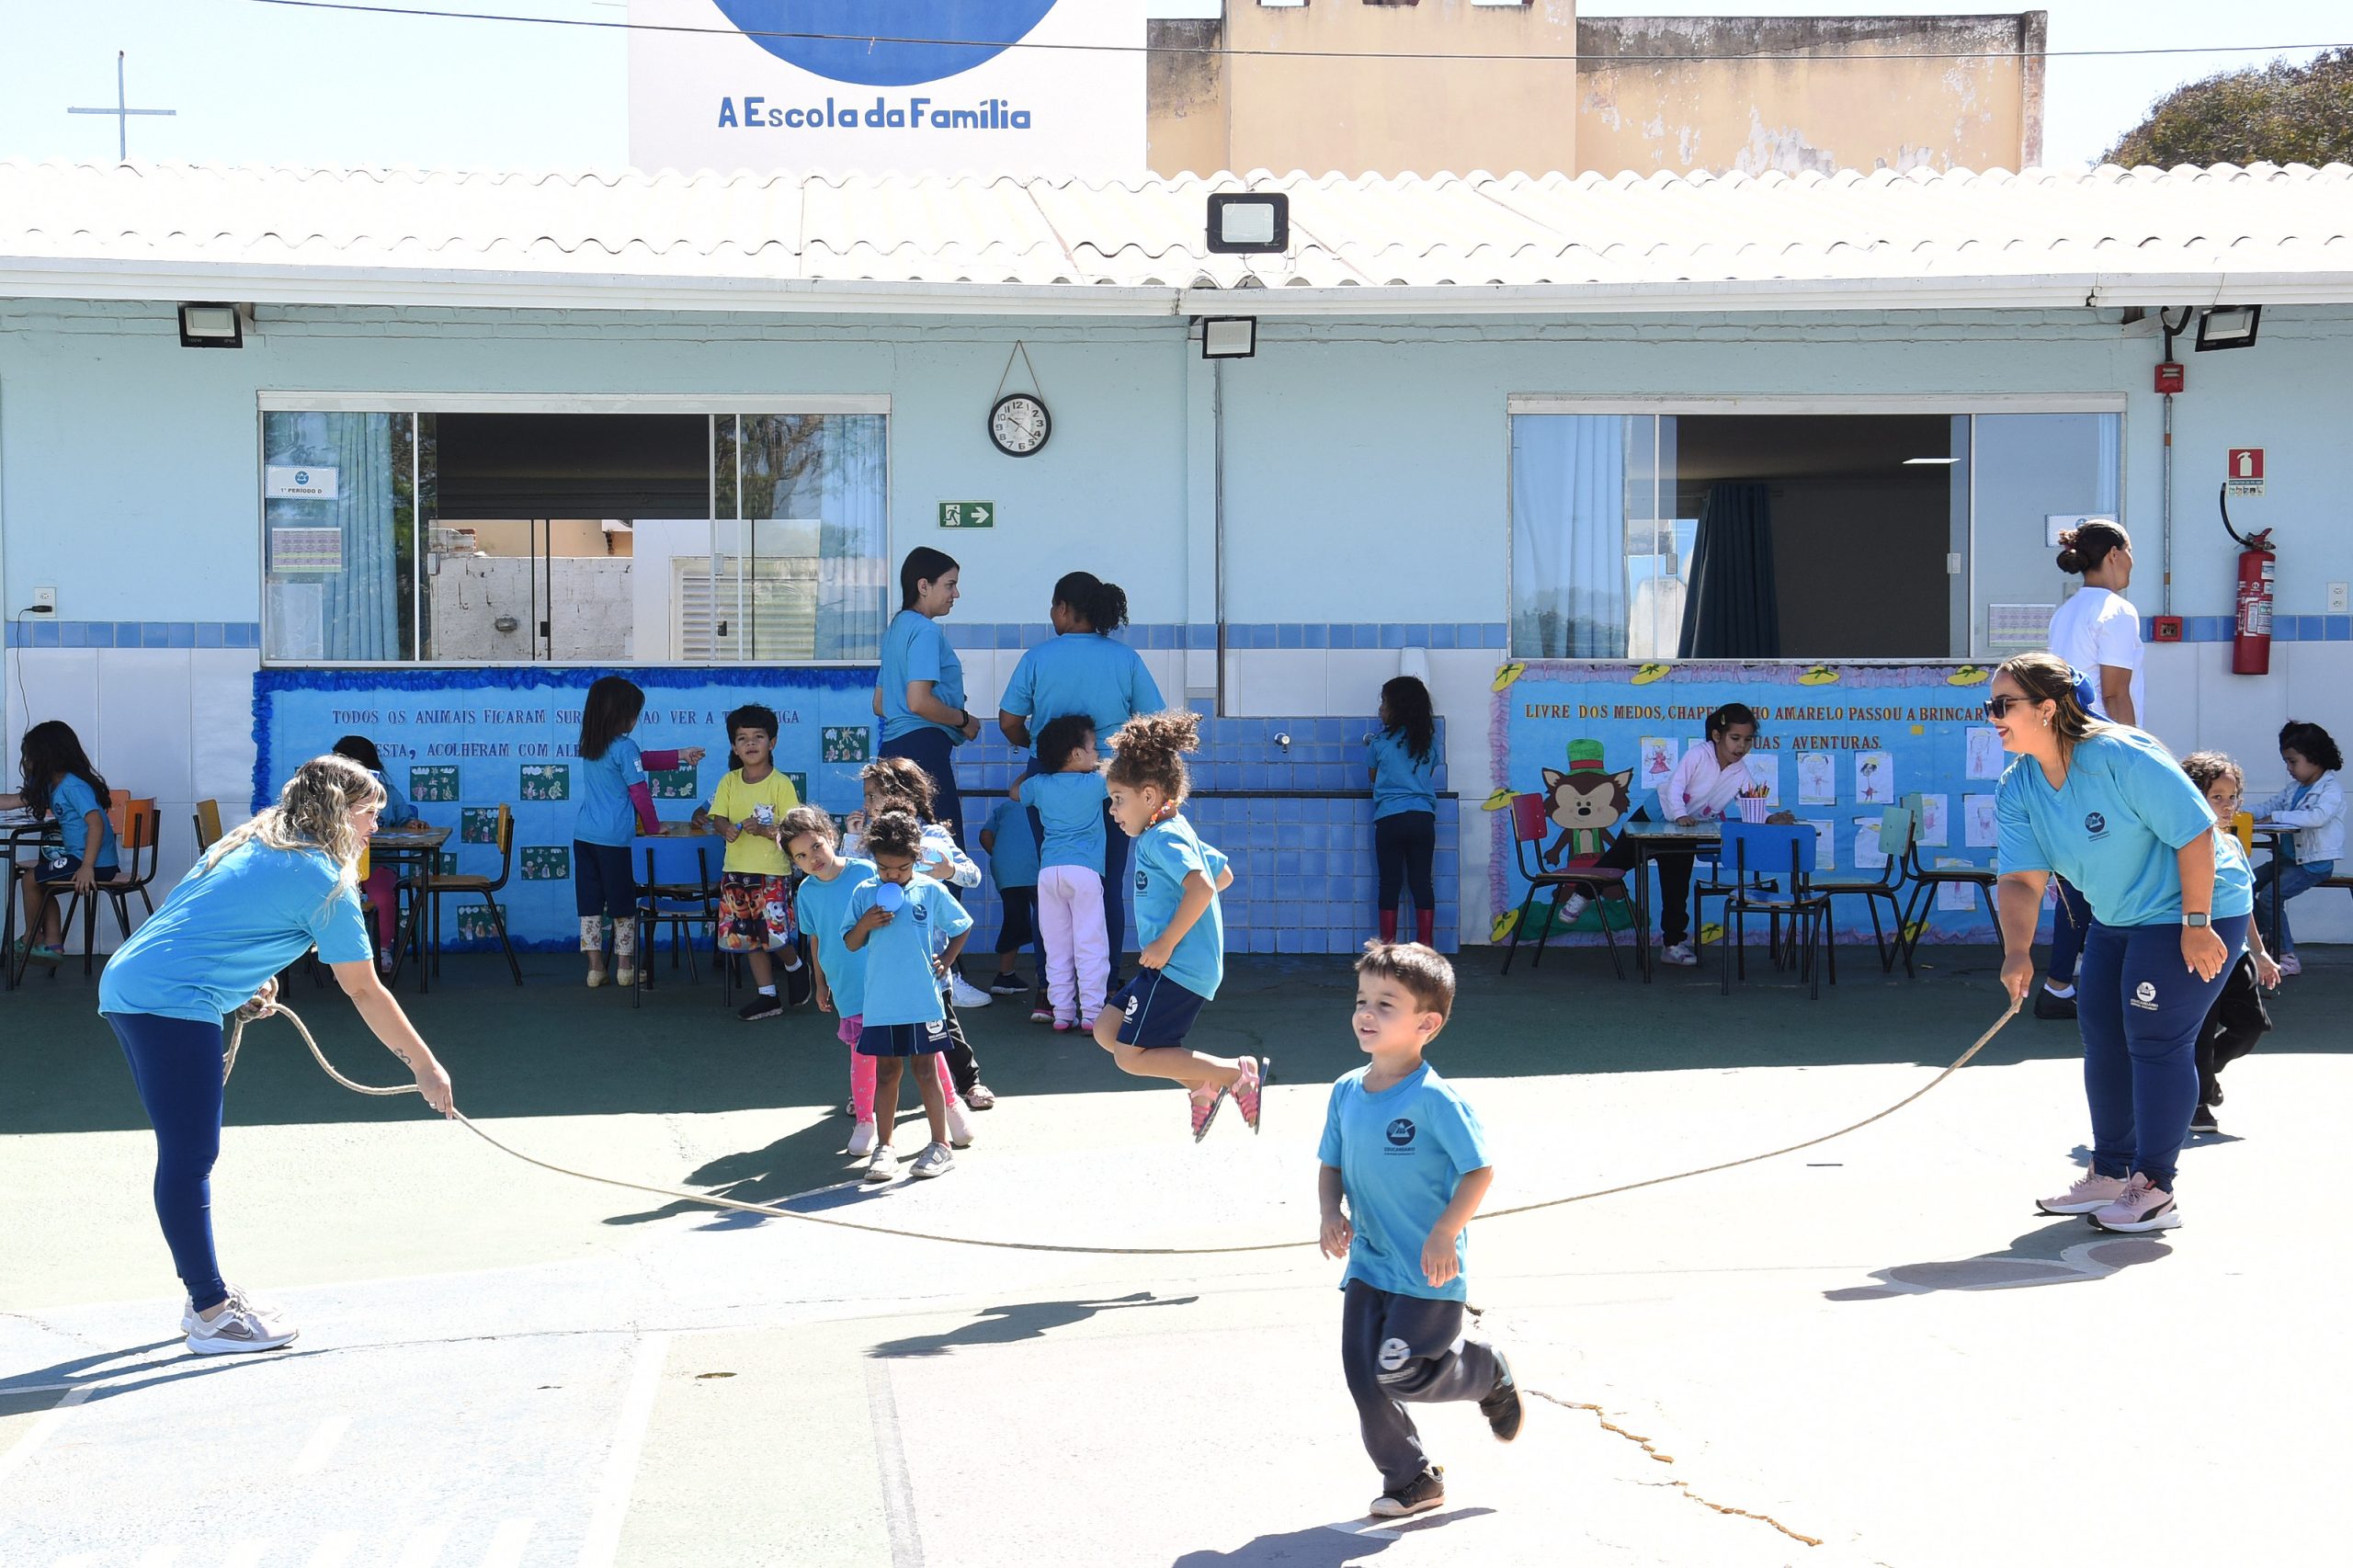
(236, 1036)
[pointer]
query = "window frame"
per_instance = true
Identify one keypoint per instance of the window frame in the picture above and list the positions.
(417, 404)
(1653, 404)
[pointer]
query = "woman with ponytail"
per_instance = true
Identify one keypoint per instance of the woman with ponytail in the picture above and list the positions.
(261, 897)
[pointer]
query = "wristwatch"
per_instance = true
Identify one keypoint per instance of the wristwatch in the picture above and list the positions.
(2199, 921)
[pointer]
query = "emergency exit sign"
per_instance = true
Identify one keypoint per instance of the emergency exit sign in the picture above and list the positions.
(967, 514)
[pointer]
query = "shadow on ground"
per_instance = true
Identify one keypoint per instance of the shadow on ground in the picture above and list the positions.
(554, 1048)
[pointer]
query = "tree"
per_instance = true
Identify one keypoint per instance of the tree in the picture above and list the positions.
(2279, 113)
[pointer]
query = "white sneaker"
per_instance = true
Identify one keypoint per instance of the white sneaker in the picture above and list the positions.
(861, 1141)
(965, 994)
(882, 1165)
(238, 1328)
(935, 1159)
(1679, 954)
(1574, 905)
(269, 1311)
(960, 1124)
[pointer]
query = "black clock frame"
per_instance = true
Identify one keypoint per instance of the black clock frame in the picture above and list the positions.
(1043, 411)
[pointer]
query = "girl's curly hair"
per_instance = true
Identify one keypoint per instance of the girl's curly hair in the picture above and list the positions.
(1149, 750)
(894, 832)
(813, 819)
(903, 777)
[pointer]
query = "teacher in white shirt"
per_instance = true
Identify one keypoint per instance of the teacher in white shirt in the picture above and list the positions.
(2098, 632)
(1704, 787)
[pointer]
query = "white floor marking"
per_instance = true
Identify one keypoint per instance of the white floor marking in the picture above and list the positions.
(506, 1545)
(621, 1464)
(336, 1550)
(321, 1447)
(247, 1554)
(423, 1547)
(42, 1431)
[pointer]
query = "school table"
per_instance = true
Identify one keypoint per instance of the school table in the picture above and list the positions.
(418, 847)
(1651, 839)
(2277, 835)
(25, 832)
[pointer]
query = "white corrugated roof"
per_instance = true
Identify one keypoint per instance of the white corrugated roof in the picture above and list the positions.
(1450, 242)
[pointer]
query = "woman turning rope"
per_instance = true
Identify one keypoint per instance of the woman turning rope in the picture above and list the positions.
(2107, 807)
(261, 897)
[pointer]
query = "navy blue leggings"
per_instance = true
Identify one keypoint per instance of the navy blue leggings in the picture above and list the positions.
(176, 1065)
(2140, 1009)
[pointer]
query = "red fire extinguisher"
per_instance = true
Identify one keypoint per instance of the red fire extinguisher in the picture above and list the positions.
(2251, 647)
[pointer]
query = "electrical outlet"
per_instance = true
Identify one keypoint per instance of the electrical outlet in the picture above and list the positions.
(2338, 604)
(45, 599)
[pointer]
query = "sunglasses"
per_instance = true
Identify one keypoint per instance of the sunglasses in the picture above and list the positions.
(1997, 706)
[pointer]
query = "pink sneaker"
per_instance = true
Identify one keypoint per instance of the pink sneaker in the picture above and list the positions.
(1065, 1026)
(2095, 1191)
(1205, 1098)
(1249, 1088)
(2142, 1205)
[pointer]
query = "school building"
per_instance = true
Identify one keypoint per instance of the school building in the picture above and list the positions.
(285, 453)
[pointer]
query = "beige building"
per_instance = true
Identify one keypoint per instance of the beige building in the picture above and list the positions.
(1531, 87)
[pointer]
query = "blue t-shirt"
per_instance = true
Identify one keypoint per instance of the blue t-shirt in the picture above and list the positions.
(1401, 1154)
(914, 648)
(2113, 829)
(1070, 808)
(398, 807)
(1166, 854)
(823, 911)
(1400, 783)
(900, 985)
(224, 931)
(71, 802)
(606, 815)
(1013, 862)
(1081, 672)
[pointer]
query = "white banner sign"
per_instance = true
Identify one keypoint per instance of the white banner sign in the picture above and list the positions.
(964, 86)
(298, 483)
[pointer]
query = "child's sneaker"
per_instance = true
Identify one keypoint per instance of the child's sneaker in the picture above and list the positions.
(1041, 1015)
(2142, 1205)
(1248, 1088)
(1007, 983)
(1065, 1026)
(964, 994)
(934, 1161)
(237, 1328)
(1502, 1405)
(2289, 963)
(883, 1164)
(979, 1096)
(1427, 1491)
(1571, 907)
(2202, 1120)
(959, 1127)
(798, 984)
(759, 1006)
(1205, 1098)
(2095, 1191)
(1679, 954)
(861, 1141)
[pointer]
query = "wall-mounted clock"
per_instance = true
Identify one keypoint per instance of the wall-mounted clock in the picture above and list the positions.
(1019, 423)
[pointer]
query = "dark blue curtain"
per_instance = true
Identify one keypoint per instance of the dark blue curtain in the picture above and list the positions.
(1734, 608)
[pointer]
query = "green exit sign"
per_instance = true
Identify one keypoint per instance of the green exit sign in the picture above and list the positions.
(967, 514)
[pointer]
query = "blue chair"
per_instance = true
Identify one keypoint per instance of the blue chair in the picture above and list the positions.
(1767, 869)
(678, 891)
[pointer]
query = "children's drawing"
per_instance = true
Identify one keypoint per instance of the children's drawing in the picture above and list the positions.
(1825, 845)
(1874, 779)
(1978, 831)
(1959, 896)
(1936, 829)
(1869, 856)
(1658, 761)
(1817, 779)
(1985, 760)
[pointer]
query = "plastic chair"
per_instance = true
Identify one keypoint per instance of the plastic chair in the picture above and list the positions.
(669, 895)
(1926, 880)
(432, 885)
(1895, 825)
(1756, 857)
(1530, 825)
(208, 825)
(138, 828)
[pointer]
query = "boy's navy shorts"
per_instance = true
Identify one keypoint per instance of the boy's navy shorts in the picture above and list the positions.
(1154, 1010)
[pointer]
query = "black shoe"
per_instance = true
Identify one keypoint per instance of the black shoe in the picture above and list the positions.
(798, 984)
(2204, 1122)
(1502, 1406)
(2046, 1005)
(1005, 982)
(760, 1007)
(1426, 1492)
(2213, 1095)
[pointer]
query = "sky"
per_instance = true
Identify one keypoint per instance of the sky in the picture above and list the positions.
(255, 83)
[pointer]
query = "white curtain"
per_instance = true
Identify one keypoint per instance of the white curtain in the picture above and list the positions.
(352, 609)
(1568, 519)
(834, 468)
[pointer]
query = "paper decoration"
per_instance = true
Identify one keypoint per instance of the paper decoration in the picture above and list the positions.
(1935, 828)
(1817, 779)
(1657, 753)
(1825, 844)
(1954, 895)
(1978, 829)
(1869, 856)
(1874, 779)
(1985, 757)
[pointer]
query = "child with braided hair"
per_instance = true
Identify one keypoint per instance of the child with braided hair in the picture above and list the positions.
(1177, 880)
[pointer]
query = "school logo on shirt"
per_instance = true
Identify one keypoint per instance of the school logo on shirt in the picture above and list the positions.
(916, 908)
(1144, 880)
(2096, 824)
(2144, 995)
(1401, 1134)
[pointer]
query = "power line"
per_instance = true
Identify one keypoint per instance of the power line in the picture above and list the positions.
(994, 46)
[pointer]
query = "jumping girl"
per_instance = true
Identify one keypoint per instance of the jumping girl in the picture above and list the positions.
(1404, 805)
(1177, 881)
(616, 804)
(902, 932)
(263, 895)
(59, 782)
